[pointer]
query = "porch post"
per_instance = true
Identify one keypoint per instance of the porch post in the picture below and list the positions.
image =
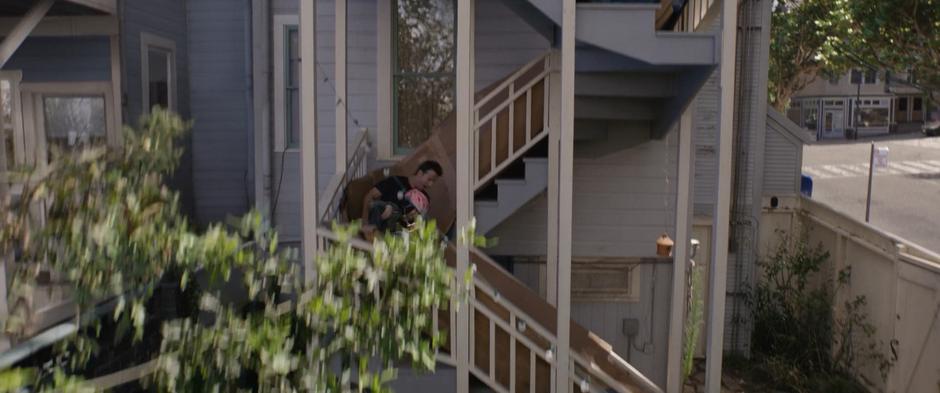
(308, 136)
(22, 29)
(719, 269)
(464, 201)
(262, 109)
(554, 130)
(680, 255)
(115, 49)
(566, 170)
(340, 76)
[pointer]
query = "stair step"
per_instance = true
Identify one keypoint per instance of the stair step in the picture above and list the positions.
(510, 182)
(486, 203)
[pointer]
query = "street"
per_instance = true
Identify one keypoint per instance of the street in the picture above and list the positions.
(905, 196)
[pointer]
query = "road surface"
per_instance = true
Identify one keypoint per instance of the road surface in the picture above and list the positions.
(905, 196)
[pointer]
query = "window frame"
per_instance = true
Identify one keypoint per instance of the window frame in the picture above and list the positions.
(148, 41)
(32, 98)
(280, 34)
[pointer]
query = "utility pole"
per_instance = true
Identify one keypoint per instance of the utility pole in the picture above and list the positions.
(871, 171)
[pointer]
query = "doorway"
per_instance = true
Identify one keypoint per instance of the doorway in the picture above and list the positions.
(833, 123)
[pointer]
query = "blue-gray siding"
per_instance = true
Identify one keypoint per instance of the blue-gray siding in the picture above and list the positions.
(63, 59)
(219, 68)
(166, 19)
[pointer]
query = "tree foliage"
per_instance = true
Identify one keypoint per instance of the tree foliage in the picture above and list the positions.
(113, 230)
(893, 35)
(795, 47)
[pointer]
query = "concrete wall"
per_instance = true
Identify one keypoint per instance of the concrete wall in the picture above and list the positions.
(63, 59)
(900, 282)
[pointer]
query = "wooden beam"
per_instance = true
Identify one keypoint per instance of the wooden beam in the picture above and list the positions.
(16, 36)
(106, 6)
(565, 197)
(719, 269)
(308, 134)
(681, 255)
(342, 105)
(464, 173)
(65, 26)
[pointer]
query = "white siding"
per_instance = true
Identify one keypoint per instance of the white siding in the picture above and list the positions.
(622, 203)
(783, 158)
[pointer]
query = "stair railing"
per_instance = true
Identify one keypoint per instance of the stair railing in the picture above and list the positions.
(356, 167)
(693, 12)
(511, 119)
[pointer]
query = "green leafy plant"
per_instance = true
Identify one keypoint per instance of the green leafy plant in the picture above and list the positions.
(104, 220)
(799, 344)
(694, 320)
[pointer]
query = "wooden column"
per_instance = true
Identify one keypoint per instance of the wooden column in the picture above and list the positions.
(308, 134)
(554, 130)
(565, 196)
(680, 255)
(342, 107)
(719, 269)
(464, 201)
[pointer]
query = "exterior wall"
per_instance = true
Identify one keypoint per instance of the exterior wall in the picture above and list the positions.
(783, 157)
(821, 87)
(504, 42)
(706, 111)
(646, 351)
(622, 203)
(166, 19)
(63, 59)
(219, 65)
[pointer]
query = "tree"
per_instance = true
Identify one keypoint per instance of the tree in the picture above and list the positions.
(893, 35)
(114, 230)
(795, 48)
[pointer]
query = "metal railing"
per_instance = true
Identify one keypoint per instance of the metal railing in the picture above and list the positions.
(356, 167)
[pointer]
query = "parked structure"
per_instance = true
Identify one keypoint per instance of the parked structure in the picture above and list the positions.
(861, 101)
(572, 145)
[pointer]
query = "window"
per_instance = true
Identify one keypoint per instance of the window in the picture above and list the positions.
(158, 72)
(292, 86)
(873, 117)
(918, 103)
(871, 77)
(286, 33)
(810, 118)
(423, 69)
(902, 103)
(856, 77)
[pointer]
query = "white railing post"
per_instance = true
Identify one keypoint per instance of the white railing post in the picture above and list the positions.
(565, 199)
(465, 179)
(308, 138)
(722, 214)
(680, 255)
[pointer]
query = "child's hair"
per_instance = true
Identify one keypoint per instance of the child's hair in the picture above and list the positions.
(419, 200)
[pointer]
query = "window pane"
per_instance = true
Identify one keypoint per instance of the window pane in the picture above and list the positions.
(422, 104)
(293, 118)
(74, 121)
(918, 103)
(293, 57)
(902, 103)
(425, 37)
(871, 77)
(874, 117)
(811, 118)
(6, 123)
(856, 76)
(159, 77)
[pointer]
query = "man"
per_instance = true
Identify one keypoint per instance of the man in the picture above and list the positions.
(386, 203)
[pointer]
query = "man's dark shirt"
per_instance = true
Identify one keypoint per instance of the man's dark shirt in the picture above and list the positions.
(393, 190)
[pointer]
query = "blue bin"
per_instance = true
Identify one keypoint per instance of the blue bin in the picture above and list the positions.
(806, 186)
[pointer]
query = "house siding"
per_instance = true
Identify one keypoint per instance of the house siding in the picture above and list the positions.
(504, 42)
(782, 158)
(220, 107)
(63, 59)
(166, 19)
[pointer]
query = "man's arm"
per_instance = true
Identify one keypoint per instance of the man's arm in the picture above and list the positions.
(371, 196)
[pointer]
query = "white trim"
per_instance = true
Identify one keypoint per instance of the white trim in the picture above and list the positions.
(308, 137)
(66, 26)
(339, 75)
(384, 80)
(681, 253)
(32, 94)
(148, 41)
(465, 147)
(281, 23)
(565, 198)
(722, 213)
